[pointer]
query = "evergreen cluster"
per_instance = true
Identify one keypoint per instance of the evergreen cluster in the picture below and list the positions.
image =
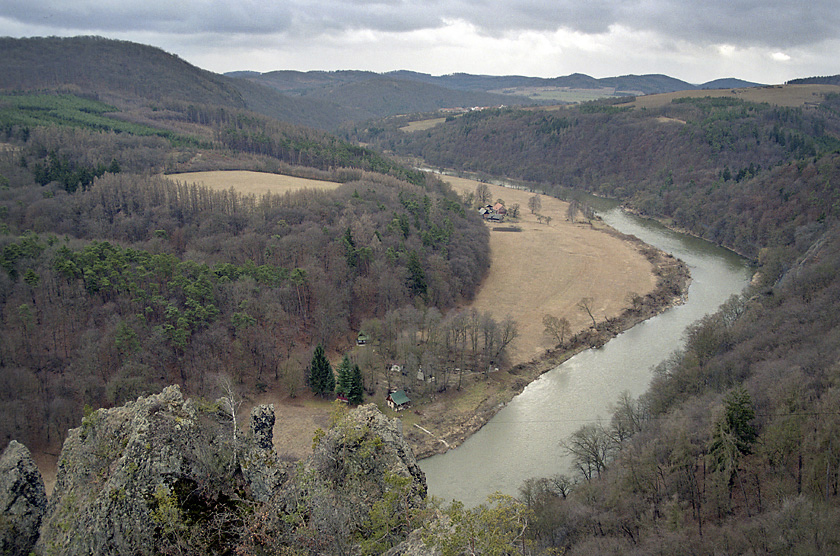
(349, 382)
(320, 373)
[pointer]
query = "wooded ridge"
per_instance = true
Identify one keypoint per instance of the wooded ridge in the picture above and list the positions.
(735, 443)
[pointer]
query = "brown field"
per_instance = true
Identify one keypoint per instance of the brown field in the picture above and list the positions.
(778, 95)
(256, 183)
(422, 125)
(548, 269)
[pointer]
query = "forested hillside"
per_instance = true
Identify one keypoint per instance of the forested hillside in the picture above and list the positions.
(728, 170)
(116, 281)
(734, 448)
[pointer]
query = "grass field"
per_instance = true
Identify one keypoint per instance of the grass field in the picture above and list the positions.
(422, 125)
(778, 95)
(256, 183)
(547, 269)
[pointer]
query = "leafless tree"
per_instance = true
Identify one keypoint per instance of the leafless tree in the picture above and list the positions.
(482, 194)
(557, 328)
(572, 210)
(534, 203)
(230, 403)
(585, 304)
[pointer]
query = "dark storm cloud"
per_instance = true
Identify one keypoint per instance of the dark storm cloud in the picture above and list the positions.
(782, 23)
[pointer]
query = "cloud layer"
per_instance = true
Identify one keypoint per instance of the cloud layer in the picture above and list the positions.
(775, 34)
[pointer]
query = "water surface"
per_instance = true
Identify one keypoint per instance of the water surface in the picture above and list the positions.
(525, 438)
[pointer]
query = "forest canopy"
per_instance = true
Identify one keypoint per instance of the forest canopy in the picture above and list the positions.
(117, 281)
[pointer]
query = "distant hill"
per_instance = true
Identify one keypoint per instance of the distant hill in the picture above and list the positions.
(643, 84)
(369, 95)
(824, 80)
(728, 83)
(119, 69)
(518, 89)
(125, 73)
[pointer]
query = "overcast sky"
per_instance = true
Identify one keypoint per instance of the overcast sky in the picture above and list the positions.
(768, 41)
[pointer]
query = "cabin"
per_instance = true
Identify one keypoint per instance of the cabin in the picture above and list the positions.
(361, 339)
(398, 400)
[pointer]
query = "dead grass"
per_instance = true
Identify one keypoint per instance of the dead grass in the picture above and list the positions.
(422, 125)
(548, 269)
(296, 420)
(251, 183)
(778, 95)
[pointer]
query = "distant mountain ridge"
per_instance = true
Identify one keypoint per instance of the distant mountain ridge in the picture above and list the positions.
(126, 72)
(299, 83)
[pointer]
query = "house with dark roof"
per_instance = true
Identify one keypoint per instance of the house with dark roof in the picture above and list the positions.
(398, 400)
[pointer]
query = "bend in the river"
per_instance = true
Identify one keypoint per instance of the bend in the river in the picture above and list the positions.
(525, 438)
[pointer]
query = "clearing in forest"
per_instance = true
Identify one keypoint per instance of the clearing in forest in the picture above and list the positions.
(548, 268)
(251, 183)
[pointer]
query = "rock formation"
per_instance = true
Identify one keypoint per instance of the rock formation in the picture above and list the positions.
(165, 474)
(23, 500)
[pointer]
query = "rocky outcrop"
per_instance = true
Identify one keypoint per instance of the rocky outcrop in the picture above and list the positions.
(167, 474)
(366, 446)
(23, 500)
(148, 475)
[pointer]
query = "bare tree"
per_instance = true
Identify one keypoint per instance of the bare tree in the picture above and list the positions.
(230, 402)
(557, 328)
(585, 304)
(534, 203)
(572, 210)
(590, 447)
(482, 194)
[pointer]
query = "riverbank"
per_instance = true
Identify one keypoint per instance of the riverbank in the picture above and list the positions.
(546, 269)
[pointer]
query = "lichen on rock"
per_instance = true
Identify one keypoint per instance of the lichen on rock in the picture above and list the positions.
(23, 500)
(165, 474)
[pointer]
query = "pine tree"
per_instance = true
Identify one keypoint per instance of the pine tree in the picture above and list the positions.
(356, 394)
(345, 371)
(350, 382)
(320, 373)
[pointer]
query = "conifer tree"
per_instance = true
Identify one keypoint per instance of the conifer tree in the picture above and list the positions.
(356, 394)
(345, 371)
(320, 373)
(350, 382)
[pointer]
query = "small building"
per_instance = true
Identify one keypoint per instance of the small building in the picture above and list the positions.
(398, 400)
(362, 339)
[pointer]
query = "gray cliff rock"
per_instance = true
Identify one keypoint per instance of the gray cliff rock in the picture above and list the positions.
(366, 447)
(23, 500)
(362, 462)
(152, 474)
(167, 475)
(258, 462)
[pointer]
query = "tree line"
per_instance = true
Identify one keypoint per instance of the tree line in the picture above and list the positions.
(136, 281)
(711, 166)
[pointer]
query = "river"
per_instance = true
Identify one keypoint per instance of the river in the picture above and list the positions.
(525, 438)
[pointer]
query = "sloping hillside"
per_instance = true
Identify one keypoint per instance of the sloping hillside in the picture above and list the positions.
(129, 74)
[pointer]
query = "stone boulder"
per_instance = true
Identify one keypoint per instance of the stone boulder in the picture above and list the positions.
(169, 475)
(366, 447)
(151, 476)
(23, 500)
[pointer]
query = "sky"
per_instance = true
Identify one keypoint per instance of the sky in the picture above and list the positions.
(769, 41)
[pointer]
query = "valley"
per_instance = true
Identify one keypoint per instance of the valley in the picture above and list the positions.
(124, 276)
